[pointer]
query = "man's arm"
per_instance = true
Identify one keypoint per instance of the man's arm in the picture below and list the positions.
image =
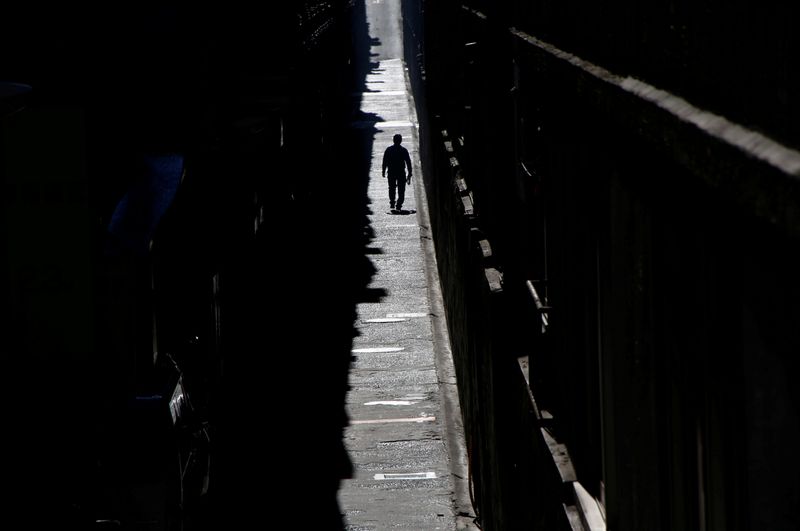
(408, 164)
(385, 162)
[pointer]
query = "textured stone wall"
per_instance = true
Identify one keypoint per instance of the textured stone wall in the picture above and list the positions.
(629, 162)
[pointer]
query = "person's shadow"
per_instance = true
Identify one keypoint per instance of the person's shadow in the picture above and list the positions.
(401, 212)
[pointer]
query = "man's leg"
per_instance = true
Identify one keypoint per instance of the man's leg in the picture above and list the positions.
(392, 186)
(401, 191)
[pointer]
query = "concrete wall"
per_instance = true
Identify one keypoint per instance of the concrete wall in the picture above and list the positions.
(212, 271)
(657, 215)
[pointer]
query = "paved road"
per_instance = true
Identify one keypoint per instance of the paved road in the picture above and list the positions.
(404, 437)
(385, 28)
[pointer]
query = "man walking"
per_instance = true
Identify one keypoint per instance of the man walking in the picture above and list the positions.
(396, 160)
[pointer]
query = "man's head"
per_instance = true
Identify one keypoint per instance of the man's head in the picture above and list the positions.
(397, 139)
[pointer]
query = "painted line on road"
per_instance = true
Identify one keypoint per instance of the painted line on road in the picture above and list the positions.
(394, 123)
(406, 476)
(390, 403)
(381, 93)
(379, 124)
(377, 350)
(405, 315)
(394, 421)
(385, 320)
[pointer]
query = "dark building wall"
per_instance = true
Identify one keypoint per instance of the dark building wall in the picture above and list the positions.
(161, 182)
(735, 59)
(643, 222)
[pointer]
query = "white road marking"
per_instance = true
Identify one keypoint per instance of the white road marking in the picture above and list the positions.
(410, 475)
(417, 420)
(385, 320)
(368, 350)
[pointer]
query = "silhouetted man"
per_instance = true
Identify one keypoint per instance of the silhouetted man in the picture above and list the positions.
(396, 160)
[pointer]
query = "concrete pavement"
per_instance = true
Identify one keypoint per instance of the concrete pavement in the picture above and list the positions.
(404, 436)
